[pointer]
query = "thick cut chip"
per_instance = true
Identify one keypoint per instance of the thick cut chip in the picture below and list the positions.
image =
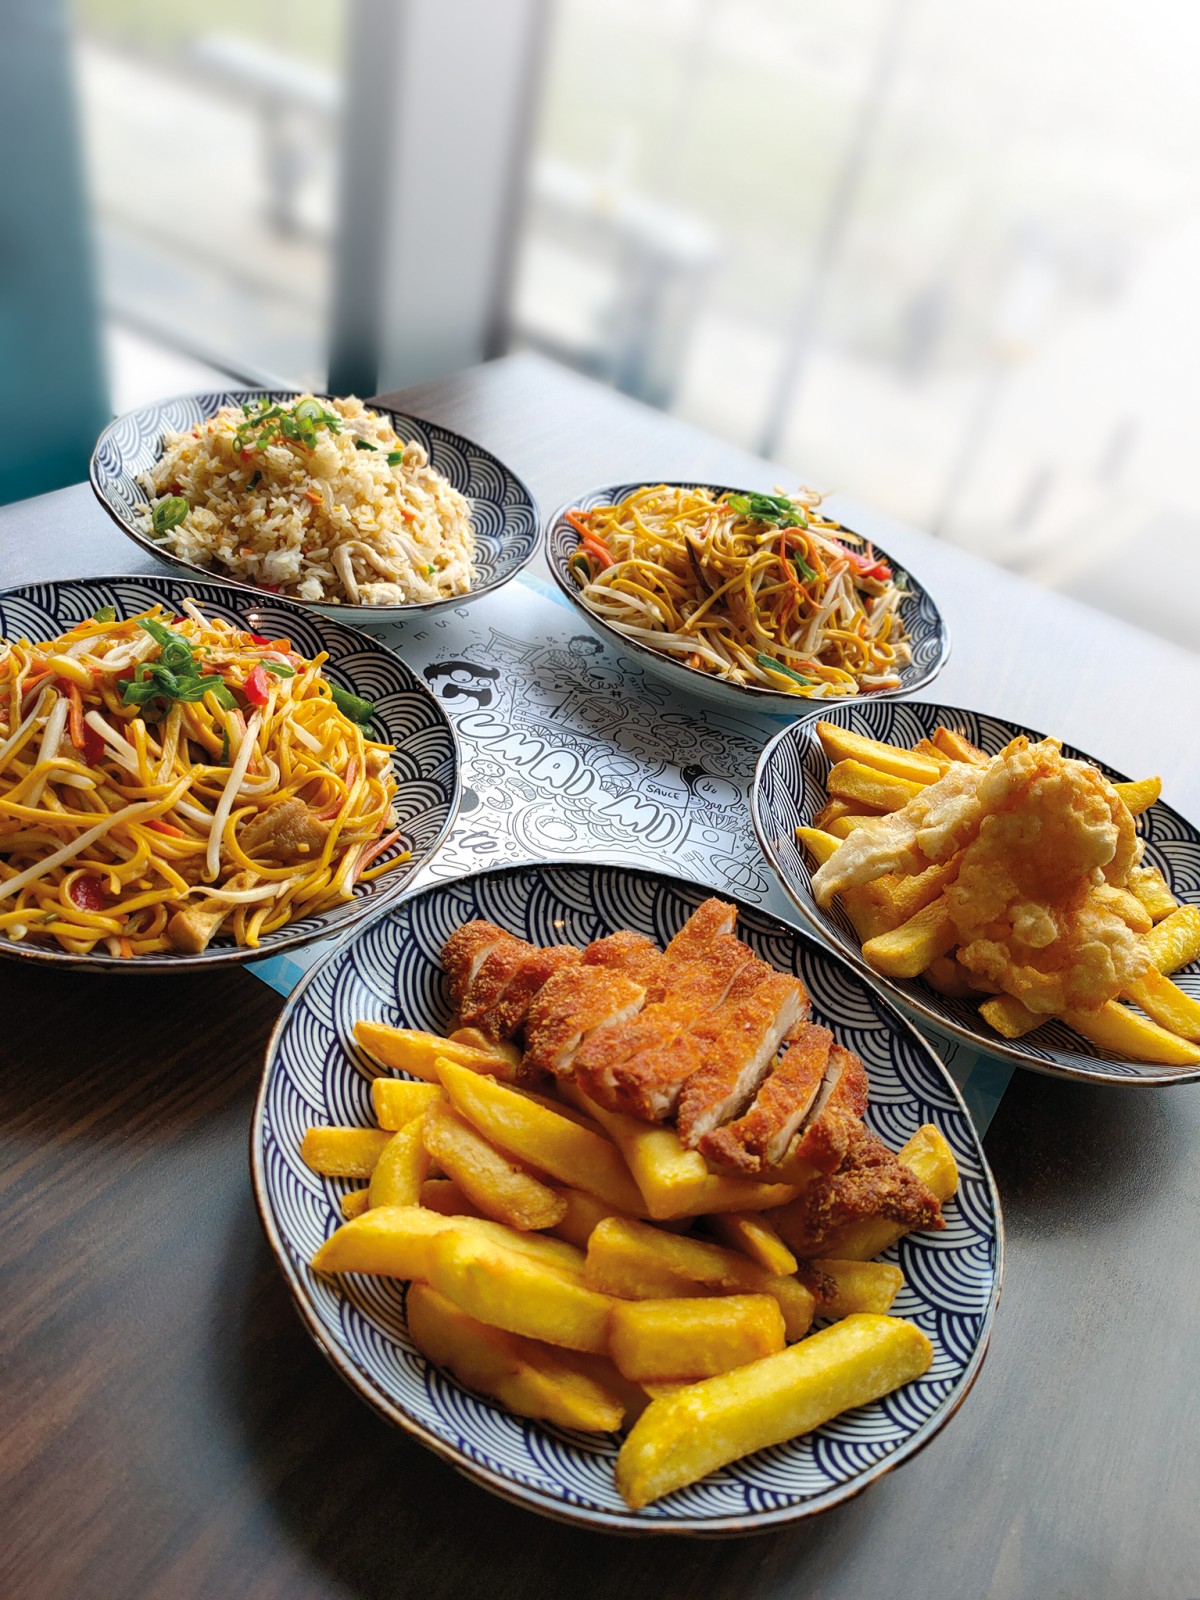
(394, 1241)
(545, 1139)
(819, 845)
(355, 1203)
(1139, 796)
(402, 1167)
(908, 950)
(661, 1341)
(1009, 1016)
(835, 811)
(844, 1288)
(1175, 942)
(958, 747)
(669, 1179)
(682, 1437)
(445, 1196)
(530, 1378)
(851, 780)
(343, 1152)
(755, 1238)
(413, 1051)
(397, 1101)
(489, 1179)
(584, 1212)
(509, 1289)
(1152, 889)
(637, 1262)
(1115, 1027)
(1167, 1004)
(840, 744)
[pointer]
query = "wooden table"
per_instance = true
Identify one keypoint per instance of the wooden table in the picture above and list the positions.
(169, 1429)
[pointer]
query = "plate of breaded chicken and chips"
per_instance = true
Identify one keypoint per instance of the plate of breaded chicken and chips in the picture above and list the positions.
(636, 1204)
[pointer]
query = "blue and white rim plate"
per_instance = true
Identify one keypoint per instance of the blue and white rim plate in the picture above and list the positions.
(407, 714)
(789, 790)
(927, 630)
(504, 513)
(391, 973)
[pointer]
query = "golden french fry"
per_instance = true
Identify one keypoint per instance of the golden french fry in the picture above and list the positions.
(927, 748)
(412, 1051)
(756, 1239)
(402, 1167)
(1115, 1027)
(686, 1435)
(583, 1214)
(906, 951)
(445, 1196)
(720, 1193)
(475, 1040)
(818, 844)
(1167, 1004)
(546, 1139)
(355, 1202)
(635, 1261)
(851, 780)
(857, 1286)
(394, 1241)
(931, 1158)
(843, 827)
(958, 747)
(1125, 905)
(530, 1378)
(660, 1341)
(397, 1101)
(1009, 1016)
(1153, 891)
(861, 906)
(890, 900)
(839, 744)
(489, 1179)
(1175, 942)
(343, 1152)
(668, 1178)
(1139, 796)
(512, 1290)
(836, 810)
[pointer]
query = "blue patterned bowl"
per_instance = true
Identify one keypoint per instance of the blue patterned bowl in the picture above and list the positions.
(789, 790)
(503, 512)
(407, 714)
(928, 632)
(391, 973)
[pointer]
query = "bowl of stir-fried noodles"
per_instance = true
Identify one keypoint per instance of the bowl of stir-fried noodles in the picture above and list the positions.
(190, 777)
(758, 601)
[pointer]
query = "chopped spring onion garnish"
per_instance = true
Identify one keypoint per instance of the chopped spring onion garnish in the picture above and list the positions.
(395, 457)
(352, 706)
(771, 665)
(280, 669)
(775, 509)
(167, 514)
(365, 444)
(268, 424)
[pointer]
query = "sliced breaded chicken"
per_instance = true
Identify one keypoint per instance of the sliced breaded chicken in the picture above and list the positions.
(465, 951)
(872, 1182)
(738, 1044)
(760, 1136)
(639, 1067)
(631, 954)
(712, 919)
(500, 993)
(569, 1008)
(832, 1125)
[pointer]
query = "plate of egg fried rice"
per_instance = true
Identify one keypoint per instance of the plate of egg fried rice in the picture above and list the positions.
(354, 509)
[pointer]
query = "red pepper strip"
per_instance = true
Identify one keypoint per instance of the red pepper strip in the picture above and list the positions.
(94, 747)
(376, 849)
(865, 569)
(75, 716)
(256, 686)
(32, 683)
(168, 828)
(259, 639)
(88, 893)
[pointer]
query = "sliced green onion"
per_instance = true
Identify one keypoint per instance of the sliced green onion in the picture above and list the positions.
(802, 566)
(169, 513)
(365, 444)
(105, 614)
(280, 669)
(309, 411)
(395, 457)
(771, 665)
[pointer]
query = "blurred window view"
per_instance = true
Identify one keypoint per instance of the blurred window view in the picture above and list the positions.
(938, 257)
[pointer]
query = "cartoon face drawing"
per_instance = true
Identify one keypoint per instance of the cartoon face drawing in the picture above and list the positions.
(463, 680)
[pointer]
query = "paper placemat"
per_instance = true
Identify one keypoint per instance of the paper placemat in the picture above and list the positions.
(569, 751)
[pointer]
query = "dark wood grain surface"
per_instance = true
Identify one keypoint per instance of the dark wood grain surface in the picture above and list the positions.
(169, 1429)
